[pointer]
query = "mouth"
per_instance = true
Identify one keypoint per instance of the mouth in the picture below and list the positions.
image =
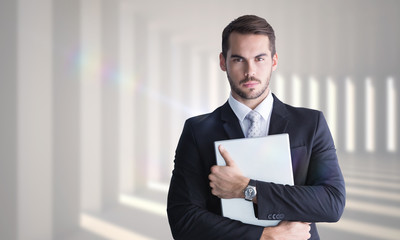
(251, 84)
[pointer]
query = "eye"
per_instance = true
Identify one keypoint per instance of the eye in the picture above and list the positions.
(259, 59)
(238, 60)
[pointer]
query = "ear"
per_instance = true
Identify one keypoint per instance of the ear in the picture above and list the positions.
(222, 62)
(274, 62)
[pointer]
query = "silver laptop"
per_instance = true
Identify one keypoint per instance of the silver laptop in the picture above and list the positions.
(263, 159)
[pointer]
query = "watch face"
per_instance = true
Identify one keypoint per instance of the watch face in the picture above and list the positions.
(250, 193)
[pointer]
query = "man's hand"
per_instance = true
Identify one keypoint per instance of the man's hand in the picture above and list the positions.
(227, 181)
(287, 231)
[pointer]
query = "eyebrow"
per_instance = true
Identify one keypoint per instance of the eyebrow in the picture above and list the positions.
(262, 55)
(259, 55)
(236, 56)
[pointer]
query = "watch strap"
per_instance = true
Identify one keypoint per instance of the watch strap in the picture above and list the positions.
(252, 183)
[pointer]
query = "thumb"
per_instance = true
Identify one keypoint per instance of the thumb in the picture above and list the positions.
(225, 154)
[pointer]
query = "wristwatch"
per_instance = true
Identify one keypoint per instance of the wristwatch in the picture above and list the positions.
(250, 191)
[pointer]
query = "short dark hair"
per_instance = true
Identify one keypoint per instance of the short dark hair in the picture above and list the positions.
(248, 24)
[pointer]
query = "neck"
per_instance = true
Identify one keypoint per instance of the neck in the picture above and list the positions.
(251, 103)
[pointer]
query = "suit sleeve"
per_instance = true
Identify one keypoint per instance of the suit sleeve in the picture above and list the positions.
(321, 199)
(188, 199)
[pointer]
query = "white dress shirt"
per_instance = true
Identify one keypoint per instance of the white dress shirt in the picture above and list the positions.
(241, 110)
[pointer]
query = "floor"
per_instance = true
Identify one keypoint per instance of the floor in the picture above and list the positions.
(372, 210)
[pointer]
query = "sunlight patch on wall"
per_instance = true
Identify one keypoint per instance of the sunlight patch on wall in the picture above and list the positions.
(313, 95)
(91, 106)
(391, 128)
(296, 90)
(350, 115)
(158, 186)
(363, 229)
(144, 204)
(376, 209)
(213, 82)
(369, 115)
(332, 106)
(108, 230)
(278, 84)
(127, 109)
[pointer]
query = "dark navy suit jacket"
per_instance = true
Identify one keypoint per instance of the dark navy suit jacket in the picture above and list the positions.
(317, 196)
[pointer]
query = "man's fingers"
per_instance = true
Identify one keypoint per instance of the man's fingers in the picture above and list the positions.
(228, 160)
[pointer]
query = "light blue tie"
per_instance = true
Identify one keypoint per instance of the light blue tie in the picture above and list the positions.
(255, 128)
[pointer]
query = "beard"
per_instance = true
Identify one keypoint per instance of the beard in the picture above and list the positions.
(253, 94)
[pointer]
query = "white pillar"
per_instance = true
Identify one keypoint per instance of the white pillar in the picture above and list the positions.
(126, 99)
(90, 113)
(8, 121)
(140, 106)
(66, 118)
(110, 106)
(34, 139)
(392, 115)
(153, 97)
(350, 115)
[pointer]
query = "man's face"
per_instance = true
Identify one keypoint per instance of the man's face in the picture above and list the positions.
(248, 65)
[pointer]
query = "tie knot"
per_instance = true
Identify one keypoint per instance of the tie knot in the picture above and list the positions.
(253, 116)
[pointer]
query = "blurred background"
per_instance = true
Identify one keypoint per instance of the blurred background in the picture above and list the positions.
(94, 94)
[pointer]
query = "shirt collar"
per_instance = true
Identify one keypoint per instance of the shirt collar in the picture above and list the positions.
(241, 110)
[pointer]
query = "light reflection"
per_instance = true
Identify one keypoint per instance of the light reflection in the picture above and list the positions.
(391, 128)
(350, 115)
(373, 193)
(363, 228)
(144, 204)
(331, 95)
(296, 90)
(278, 84)
(369, 115)
(376, 209)
(313, 96)
(108, 230)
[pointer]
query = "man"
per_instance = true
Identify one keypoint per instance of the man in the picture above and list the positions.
(197, 185)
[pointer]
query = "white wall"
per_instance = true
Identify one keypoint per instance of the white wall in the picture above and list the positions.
(94, 93)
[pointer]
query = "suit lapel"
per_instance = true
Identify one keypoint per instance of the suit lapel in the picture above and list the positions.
(230, 122)
(279, 118)
(278, 123)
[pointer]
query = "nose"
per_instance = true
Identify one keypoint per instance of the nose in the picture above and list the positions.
(250, 69)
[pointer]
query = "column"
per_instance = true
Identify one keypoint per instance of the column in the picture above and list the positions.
(8, 122)
(140, 106)
(66, 117)
(339, 80)
(367, 116)
(127, 120)
(214, 82)
(314, 92)
(167, 109)
(110, 106)
(355, 50)
(34, 122)
(379, 87)
(280, 86)
(153, 100)
(90, 109)
(362, 109)
(396, 117)
(321, 95)
(177, 75)
(350, 115)
(296, 91)
(331, 106)
(204, 82)
(195, 79)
